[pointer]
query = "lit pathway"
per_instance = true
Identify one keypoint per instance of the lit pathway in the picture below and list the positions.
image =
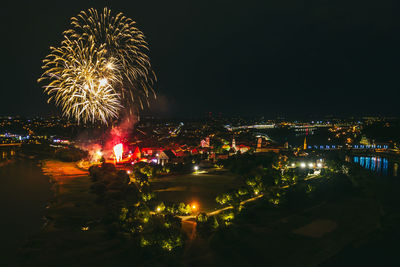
(189, 217)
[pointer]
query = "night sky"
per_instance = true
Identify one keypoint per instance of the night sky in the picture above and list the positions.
(280, 57)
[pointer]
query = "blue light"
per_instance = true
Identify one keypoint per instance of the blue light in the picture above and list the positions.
(367, 162)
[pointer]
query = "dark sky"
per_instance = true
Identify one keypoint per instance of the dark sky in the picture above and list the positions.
(337, 57)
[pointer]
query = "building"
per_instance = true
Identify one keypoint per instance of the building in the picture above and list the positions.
(165, 157)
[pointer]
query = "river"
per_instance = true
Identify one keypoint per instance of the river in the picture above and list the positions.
(24, 194)
(379, 165)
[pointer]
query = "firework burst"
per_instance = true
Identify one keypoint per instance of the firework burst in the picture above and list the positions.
(100, 69)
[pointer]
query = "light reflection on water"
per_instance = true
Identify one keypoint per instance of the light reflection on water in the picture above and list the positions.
(7, 154)
(379, 165)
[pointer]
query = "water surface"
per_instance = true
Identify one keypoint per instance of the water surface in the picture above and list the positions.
(24, 194)
(379, 165)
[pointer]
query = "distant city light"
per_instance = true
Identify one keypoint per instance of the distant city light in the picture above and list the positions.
(311, 165)
(303, 165)
(319, 165)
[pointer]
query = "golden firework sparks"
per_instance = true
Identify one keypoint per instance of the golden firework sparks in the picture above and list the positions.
(100, 69)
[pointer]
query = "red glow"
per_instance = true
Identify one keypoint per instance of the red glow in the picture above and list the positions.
(118, 150)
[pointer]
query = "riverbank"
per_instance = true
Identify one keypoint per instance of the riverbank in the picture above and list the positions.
(73, 235)
(4, 163)
(24, 194)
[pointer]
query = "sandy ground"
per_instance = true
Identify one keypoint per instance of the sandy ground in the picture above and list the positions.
(62, 170)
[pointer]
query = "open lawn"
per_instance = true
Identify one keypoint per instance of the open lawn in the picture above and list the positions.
(280, 237)
(201, 188)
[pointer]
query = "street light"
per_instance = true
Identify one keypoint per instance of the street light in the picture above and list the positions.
(311, 165)
(194, 206)
(196, 168)
(319, 165)
(302, 165)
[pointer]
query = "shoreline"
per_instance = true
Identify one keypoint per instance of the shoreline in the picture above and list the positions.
(25, 186)
(70, 212)
(5, 163)
(57, 171)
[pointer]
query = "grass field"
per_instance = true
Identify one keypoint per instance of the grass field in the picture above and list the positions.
(201, 188)
(273, 237)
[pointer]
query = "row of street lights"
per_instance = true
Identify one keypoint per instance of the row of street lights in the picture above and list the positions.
(310, 165)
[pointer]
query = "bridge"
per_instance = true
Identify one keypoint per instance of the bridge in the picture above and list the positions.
(10, 144)
(256, 126)
(355, 147)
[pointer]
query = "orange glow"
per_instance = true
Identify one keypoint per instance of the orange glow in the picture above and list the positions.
(195, 206)
(118, 150)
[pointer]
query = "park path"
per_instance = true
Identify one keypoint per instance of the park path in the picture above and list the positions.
(212, 213)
